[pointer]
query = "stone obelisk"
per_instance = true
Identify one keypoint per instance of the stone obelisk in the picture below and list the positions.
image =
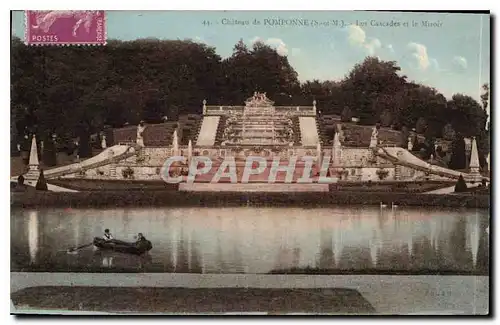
(474, 161)
(33, 165)
(175, 144)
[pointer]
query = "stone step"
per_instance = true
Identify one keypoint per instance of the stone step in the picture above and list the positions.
(253, 187)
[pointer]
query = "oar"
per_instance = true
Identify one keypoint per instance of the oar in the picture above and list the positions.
(74, 249)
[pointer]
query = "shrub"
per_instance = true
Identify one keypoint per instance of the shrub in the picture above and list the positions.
(140, 159)
(382, 173)
(461, 186)
(404, 135)
(448, 132)
(458, 160)
(421, 125)
(386, 118)
(346, 114)
(49, 153)
(342, 174)
(128, 173)
(41, 184)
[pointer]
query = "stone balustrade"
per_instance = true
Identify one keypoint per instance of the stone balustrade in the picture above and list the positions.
(278, 110)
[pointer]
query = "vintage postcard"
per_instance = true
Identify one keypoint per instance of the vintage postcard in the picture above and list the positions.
(240, 162)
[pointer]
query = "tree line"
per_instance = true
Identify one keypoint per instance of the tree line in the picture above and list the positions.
(76, 91)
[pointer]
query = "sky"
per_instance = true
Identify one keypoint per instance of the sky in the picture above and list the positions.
(451, 53)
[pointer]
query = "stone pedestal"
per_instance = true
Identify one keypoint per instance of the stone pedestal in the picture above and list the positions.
(33, 173)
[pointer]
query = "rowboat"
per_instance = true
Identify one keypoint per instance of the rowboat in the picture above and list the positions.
(122, 246)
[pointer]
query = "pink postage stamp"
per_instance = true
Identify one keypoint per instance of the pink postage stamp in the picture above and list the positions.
(65, 27)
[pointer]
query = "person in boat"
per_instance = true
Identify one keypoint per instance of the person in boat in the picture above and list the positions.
(107, 235)
(140, 238)
(143, 242)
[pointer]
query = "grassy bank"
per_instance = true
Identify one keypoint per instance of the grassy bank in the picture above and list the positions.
(94, 199)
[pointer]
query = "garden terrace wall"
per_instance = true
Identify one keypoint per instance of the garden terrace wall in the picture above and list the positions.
(218, 199)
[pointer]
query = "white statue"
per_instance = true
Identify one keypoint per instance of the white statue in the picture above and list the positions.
(103, 141)
(140, 134)
(410, 144)
(374, 137)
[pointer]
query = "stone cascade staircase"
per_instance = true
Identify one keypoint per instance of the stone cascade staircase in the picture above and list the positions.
(220, 130)
(259, 128)
(256, 126)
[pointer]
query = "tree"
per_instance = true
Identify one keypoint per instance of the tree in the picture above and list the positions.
(404, 135)
(49, 157)
(74, 91)
(421, 125)
(346, 115)
(260, 69)
(368, 81)
(467, 115)
(458, 159)
(483, 138)
(422, 102)
(448, 132)
(485, 96)
(460, 186)
(386, 118)
(483, 147)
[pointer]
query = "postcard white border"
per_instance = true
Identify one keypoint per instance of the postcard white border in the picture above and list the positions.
(189, 5)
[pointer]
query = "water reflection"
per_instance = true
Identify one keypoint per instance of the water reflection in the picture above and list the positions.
(255, 240)
(33, 235)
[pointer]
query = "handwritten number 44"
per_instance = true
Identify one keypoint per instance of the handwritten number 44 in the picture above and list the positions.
(206, 23)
